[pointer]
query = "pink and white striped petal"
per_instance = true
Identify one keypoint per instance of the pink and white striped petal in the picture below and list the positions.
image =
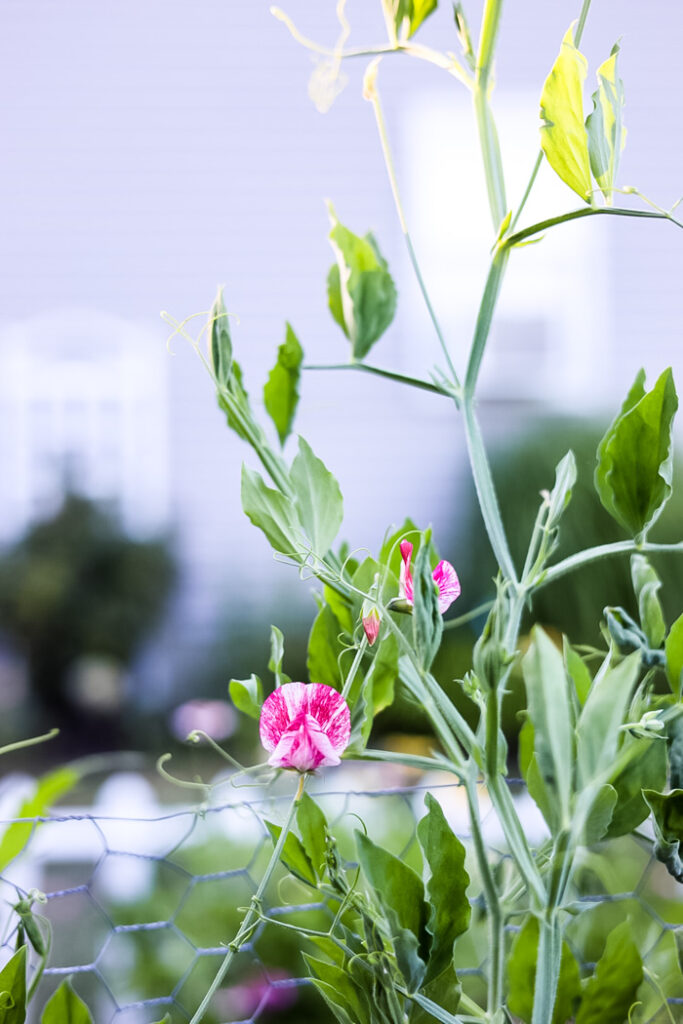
(447, 583)
(305, 726)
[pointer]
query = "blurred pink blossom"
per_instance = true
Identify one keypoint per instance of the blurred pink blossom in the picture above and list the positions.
(305, 726)
(214, 717)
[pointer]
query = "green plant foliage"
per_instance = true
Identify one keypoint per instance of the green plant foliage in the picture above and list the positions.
(318, 498)
(450, 911)
(233, 400)
(578, 671)
(48, 790)
(635, 457)
(673, 649)
(220, 342)
(272, 512)
(561, 494)
(522, 976)
(563, 133)
(313, 828)
(346, 999)
(294, 856)
(65, 1007)
(324, 648)
(361, 292)
(13, 989)
(427, 619)
(646, 584)
(598, 729)
(605, 128)
(611, 991)
(277, 653)
(409, 15)
(247, 695)
(667, 814)
(396, 885)
(550, 712)
(646, 770)
(281, 391)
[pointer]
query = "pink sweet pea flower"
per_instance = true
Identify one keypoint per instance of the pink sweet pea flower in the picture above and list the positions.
(305, 726)
(444, 575)
(371, 619)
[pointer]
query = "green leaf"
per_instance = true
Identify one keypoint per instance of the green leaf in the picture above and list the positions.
(675, 744)
(277, 653)
(538, 791)
(166, 1019)
(563, 133)
(324, 648)
(48, 790)
(281, 391)
(522, 976)
(600, 815)
(247, 695)
(611, 992)
(646, 770)
(406, 949)
(444, 991)
(628, 636)
(427, 619)
(667, 814)
(313, 828)
(635, 457)
(65, 1007)
(551, 714)
(561, 494)
(395, 884)
(377, 692)
(450, 910)
(318, 498)
(577, 671)
(674, 657)
(410, 14)
(598, 730)
(272, 512)
(13, 989)
(646, 583)
(361, 292)
(234, 402)
(294, 856)
(349, 997)
(605, 128)
(220, 344)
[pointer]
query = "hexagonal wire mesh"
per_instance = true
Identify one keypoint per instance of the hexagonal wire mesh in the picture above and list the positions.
(141, 908)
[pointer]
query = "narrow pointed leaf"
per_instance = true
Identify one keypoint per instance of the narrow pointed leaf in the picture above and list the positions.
(635, 457)
(277, 653)
(598, 730)
(318, 498)
(605, 126)
(410, 14)
(220, 343)
(312, 826)
(563, 133)
(281, 391)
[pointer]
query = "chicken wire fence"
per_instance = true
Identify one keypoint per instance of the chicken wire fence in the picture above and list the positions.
(141, 908)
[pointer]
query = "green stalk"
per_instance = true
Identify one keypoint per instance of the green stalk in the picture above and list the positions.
(348, 682)
(399, 378)
(584, 211)
(251, 917)
(495, 920)
(547, 969)
(482, 328)
(581, 558)
(488, 136)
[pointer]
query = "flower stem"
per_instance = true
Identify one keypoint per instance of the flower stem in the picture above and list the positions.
(251, 917)
(348, 682)
(399, 378)
(488, 136)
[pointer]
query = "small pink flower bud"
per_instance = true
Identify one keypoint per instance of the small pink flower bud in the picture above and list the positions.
(371, 621)
(305, 726)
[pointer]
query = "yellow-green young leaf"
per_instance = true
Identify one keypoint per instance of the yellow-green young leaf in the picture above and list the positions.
(635, 457)
(13, 989)
(220, 344)
(65, 1007)
(410, 14)
(49, 789)
(674, 657)
(318, 498)
(563, 133)
(611, 992)
(281, 392)
(522, 977)
(247, 695)
(360, 289)
(605, 128)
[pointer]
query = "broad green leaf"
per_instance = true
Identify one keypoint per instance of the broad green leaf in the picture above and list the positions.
(220, 344)
(674, 657)
(611, 992)
(361, 292)
(281, 391)
(333, 1000)
(646, 583)
(600, 815)
(294, 856)
(351, 997)
(318, 498)
(272, 512)
(551, 714)
(598, 729)
(522, 977)
(48, 790)
(605, 127)
(395, 884)
(647, 770)
(450, 910)
(563, 133)
(324, 648)
(277, 653)
(13, 989)
(247, 695)
(410, 14)
(635, 457)
(313, 827)
(443, 991)
(65, 1007)
(577, 671)
(427, 619)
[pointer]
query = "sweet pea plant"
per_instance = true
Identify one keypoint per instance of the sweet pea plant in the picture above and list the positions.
(601, 749)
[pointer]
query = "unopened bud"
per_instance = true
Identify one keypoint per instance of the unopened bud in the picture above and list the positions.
(371, 621)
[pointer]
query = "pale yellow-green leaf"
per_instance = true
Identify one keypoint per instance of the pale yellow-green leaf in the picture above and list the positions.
(605, 128)
(563, 134)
